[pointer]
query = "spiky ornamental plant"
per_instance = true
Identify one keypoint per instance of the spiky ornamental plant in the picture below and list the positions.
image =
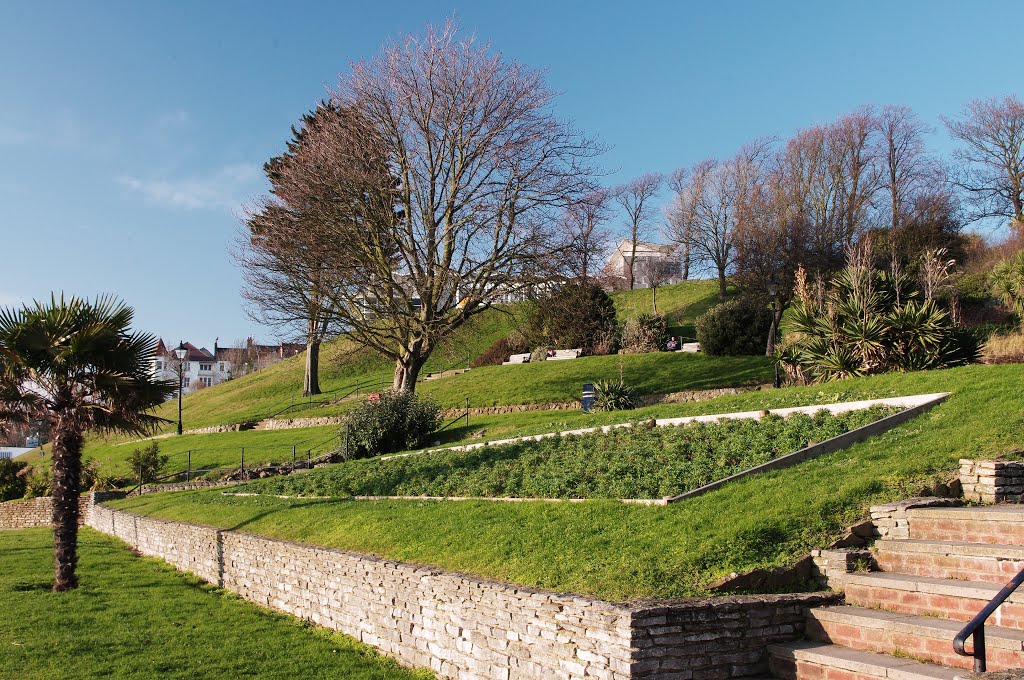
(79, 364)
(1007, 280)
(869, 321)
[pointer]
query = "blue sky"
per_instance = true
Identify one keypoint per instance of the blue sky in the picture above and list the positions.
(132, 133)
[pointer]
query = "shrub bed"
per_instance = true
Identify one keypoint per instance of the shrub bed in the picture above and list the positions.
(638, 462)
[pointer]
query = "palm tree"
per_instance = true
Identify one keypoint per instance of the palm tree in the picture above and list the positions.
(79, 363)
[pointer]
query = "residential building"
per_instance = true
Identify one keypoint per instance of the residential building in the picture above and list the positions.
(654, 262)
(203, 368)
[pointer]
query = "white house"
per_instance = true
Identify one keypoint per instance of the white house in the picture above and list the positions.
(652, 260)
(203, 367)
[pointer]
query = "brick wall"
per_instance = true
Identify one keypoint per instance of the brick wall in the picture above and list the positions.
(992, 481)
(468, 627)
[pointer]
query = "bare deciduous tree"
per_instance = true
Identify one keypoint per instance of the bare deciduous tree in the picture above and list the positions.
(587, 236)
(991, 158)
(706, 211)
(635, 198)
(439, 193)
(655, 272)
(907, 167)
(677, 183)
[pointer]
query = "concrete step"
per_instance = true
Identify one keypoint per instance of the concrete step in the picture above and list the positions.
(823, 661)
(950, 559)
(929, 596)
(996, 524)
(924, 638)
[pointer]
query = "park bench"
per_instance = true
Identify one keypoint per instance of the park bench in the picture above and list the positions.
(563, 354)
(689, 347)
(517, 359)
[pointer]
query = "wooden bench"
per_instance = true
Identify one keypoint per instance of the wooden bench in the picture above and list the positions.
(689, 347)
(564, 354)
(517, 359)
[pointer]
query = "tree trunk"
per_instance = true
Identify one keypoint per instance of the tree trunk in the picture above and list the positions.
(407, 370)
(721, 282)
(311, 383)
(67, 467)
(686, 262)
(632, 259)
(654, 298)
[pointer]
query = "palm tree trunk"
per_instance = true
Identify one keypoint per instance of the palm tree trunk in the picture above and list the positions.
(67, 467)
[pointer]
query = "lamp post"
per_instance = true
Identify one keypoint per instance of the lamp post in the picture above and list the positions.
(180, 351)
(773, 291)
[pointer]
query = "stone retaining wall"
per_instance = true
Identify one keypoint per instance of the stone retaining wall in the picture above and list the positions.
(992, 481)
(468, 627)
(31, 513)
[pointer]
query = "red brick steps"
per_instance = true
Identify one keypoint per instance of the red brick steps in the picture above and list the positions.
(994, 524)
(931, 596)
(924, 638)
(823, 661)
(899, 622)
(953, 559)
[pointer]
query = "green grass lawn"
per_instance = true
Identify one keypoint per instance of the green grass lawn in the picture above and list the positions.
(343, 364)
(621, 551)
(138, 618)
(680, 303)
(530, 383)
(217, 450)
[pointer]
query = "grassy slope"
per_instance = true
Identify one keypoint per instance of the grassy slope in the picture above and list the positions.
(219, 450)
(108, 627)
(261, 393)
(341, 363)
(491, 385)
(681, 304)
(622, 551)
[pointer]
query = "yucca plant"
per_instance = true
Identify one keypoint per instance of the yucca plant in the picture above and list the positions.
(869, 321)
(79, 364)
(1007, 281)
(614, 396)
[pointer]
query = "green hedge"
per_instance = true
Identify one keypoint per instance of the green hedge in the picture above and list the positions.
(639, 462)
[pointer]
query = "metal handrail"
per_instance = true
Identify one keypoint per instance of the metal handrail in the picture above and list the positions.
(976, 627)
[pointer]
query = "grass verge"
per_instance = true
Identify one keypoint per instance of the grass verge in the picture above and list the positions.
(619, 551)
(139, 618)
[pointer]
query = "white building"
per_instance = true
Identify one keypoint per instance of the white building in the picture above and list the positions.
(203, 367)
(651, 260)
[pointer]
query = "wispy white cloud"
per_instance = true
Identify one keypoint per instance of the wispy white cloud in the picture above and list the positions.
(223, 189)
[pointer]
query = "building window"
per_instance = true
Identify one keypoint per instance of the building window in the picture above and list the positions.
(207, 381)
(205, 367)
(188, 365)
(220, 367)
(187, 380)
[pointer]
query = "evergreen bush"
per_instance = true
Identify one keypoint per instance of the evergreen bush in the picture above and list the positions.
(392, 421)
(645, 333)
(575, 315)
(734, 328)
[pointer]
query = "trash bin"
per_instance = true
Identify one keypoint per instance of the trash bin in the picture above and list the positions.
(588, 397)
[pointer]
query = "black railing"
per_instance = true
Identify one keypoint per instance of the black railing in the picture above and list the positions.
(976, 627)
